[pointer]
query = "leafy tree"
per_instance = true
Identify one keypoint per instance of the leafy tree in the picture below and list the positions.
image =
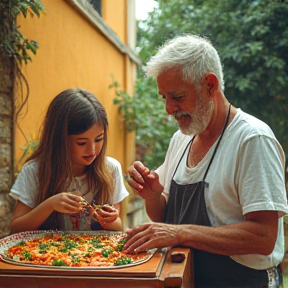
(252, 40)
(253, 49)
(12, 41)
(15, 47)
(145, 114)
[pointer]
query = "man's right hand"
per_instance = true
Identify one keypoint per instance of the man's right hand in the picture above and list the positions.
(143, 181)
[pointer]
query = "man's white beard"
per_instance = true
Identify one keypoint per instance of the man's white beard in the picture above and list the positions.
(199, 118)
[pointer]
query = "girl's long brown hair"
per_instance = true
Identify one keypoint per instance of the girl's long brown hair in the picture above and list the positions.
(72, 112)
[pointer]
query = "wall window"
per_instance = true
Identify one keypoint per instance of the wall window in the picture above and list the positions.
(96, 5)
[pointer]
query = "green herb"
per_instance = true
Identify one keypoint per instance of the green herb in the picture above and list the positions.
(58, 262)
(43, 247)
(96, 243)
(120, 245)
(89, 252)
(27, 255)
(68, 245)
(106, 252)
(75, 258)
(123, 261)
(21, 243)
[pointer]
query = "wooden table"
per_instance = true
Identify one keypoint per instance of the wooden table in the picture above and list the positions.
(158, 272)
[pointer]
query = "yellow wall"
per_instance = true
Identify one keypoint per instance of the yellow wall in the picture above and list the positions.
(74, 53)
(115, 19)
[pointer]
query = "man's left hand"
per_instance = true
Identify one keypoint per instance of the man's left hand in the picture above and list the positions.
(151, 235)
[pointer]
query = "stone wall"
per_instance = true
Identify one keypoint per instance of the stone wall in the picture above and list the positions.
(6, 141)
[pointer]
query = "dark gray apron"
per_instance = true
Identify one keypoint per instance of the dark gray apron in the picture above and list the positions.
(186, 205)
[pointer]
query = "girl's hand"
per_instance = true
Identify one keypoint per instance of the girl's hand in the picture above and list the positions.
(105, 214)
(66, 202)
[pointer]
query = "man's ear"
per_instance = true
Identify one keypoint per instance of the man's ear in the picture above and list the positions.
(211, 82)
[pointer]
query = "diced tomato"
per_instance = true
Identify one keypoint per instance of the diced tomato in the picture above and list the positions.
(57, 238)
(16, 250)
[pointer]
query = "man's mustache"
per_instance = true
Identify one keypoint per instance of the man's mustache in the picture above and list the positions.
(178, 114)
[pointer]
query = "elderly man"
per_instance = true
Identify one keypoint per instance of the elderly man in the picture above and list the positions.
(221, 189)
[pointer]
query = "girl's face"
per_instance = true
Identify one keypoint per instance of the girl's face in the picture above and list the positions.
(86, 147)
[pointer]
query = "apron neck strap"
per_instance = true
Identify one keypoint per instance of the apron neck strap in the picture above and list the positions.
(224, 128)
(191, 141)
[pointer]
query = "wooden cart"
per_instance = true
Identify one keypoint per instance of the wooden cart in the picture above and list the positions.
(158, 272)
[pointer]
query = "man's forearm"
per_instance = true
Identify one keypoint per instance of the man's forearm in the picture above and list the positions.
(155, 208)
(248, 237)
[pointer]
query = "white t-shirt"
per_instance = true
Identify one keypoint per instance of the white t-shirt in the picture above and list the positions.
(246, 175)
(26, 186)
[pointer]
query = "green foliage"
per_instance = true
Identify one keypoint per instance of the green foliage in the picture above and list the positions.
(252, 40)
(253, 48)
(28, 149)
(12, 41)
(145, 114)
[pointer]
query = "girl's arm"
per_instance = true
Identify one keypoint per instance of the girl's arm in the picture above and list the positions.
(25, 218)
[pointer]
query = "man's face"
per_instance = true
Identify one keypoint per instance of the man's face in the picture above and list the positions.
(191, 109)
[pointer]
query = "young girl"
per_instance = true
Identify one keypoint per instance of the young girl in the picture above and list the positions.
(70, 162)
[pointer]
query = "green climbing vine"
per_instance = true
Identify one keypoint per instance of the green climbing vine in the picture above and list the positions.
(12, 41)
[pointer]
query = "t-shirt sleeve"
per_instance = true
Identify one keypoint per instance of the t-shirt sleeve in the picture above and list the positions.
(261, 176)
(120, 191)
(26, 185)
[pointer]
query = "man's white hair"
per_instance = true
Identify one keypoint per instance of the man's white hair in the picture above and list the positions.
(194, 55)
